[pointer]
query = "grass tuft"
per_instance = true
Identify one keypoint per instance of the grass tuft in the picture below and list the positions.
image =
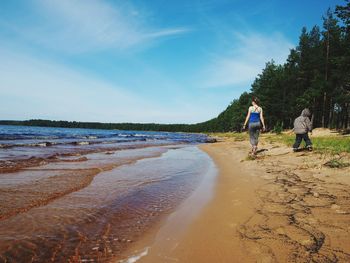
(251, 157)
(337, 163)
(329, 144)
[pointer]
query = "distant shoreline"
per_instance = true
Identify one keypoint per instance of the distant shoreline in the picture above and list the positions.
(105, 126)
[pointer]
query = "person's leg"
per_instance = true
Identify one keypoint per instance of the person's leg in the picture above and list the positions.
(307, 141)
(256, 137)
(255, 130)
(251, 136)
(298, 139)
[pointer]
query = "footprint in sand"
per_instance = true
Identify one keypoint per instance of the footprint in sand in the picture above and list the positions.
(236, 202)
(277, 209)
(335, 207)
(233, 225)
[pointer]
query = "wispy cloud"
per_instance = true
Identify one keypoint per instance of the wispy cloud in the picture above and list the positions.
(84, 25)
(245, 59)
(167, 32)
(49, 90)
(37, 88)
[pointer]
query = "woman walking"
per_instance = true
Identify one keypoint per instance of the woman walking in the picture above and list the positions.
(255, 118)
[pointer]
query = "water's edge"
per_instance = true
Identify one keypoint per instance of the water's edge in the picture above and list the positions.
(157, 244)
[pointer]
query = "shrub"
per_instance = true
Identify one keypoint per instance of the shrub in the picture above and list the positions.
(278, 128)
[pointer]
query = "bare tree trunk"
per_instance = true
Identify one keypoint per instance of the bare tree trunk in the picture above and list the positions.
(343, 113)
(330, 118)
(337, 121)
(347, 119)
(348, 113)
(313, 113)
(326, 77)
(324, 109)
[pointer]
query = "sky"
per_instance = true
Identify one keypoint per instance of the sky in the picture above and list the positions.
(140, 61)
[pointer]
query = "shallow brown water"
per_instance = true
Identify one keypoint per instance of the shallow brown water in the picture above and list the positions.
(89, 208)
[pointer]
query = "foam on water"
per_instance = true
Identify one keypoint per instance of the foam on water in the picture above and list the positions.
(136, 257)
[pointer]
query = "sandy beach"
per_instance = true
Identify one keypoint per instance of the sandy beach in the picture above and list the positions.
(280, 207)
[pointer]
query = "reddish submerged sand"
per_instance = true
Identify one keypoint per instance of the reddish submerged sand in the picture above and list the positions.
(91, 208)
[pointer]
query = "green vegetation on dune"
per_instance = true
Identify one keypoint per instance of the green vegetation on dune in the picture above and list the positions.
(333, 144)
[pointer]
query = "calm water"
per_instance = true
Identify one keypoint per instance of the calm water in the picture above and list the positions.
(84, 195)
(40, 136)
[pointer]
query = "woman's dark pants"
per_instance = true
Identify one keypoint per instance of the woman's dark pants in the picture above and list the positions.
(299, 138)
(254, 130)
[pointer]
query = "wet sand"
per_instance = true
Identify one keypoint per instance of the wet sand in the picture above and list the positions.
(280, 207)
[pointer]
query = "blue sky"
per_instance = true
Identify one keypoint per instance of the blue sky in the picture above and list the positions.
(140, 61)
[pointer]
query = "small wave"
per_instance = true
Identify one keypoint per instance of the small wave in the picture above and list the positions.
(120, 135)
(39, 144)
(10, 137)
(85, 137)
(130, 135)
(140, 135)
(81, 143)
(135, 258)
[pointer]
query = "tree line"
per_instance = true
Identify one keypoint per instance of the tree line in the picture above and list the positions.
(315, 75)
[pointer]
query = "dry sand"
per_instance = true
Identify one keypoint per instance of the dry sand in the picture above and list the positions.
(280, 207)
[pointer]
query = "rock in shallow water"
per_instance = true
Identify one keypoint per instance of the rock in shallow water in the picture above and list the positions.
(211, 140)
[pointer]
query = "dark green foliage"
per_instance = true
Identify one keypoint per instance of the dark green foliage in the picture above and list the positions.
(316, 75)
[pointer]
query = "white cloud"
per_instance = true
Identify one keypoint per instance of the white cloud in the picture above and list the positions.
(33, 88)
(246, 59)
(46, 89)
(84, 25)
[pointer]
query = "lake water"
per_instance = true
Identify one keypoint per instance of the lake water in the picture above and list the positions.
(85, 195)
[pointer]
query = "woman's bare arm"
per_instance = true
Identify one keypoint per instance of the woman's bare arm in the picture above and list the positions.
(262, 119)
(246, 119)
